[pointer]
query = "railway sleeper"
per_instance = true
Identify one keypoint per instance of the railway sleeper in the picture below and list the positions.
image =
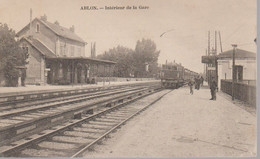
(105, 123)
(89, 130)
(95, 126)
(78, 115)
(56, 145)
(90, 111)
(111, 117)
(87, 135)
(107, 120)
(69, 139)
(109, 105)
(91, 126)
(120, 100)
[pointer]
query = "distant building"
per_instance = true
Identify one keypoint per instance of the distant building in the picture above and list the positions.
(57, 54)
(245, 65)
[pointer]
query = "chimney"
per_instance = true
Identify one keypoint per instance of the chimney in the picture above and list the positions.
(56, 22)
(30, 32)
(44, 17)
(93, 50)
(72, 28)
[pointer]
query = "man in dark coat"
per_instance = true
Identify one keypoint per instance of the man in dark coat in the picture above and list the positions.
(201, 80)
(213, 89)
(197, 82)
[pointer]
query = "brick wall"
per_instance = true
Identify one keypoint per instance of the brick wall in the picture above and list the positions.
(34, 70)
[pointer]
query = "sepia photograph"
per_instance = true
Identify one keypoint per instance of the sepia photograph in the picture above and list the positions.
(128, 78)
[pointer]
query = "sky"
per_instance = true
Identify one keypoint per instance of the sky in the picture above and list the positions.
(186, 23)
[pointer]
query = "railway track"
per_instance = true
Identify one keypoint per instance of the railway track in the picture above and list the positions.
(61, 101)
(75, 136)
(21, 122)
(14, 100)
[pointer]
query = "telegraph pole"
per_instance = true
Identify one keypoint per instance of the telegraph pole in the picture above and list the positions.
(233, 70)
(30, 22)
(208, 42)
(215, 59)
(220, 41)
(206, 67)
(208, 72)
(216, 42)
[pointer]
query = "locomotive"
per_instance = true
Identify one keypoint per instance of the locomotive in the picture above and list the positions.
(174, 75)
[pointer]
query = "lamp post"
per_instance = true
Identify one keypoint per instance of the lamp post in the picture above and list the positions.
(233, 70)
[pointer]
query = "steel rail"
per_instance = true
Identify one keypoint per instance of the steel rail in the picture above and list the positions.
(115, 127)
(52, 105)
(12, 132)
(12, 98)
(8, 152)
(23, 104)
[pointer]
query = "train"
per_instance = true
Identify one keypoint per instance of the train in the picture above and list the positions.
(175, 75)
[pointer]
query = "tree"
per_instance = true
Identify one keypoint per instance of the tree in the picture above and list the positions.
(145, 54)
(134, 62)
(123, 58)
(11, 55)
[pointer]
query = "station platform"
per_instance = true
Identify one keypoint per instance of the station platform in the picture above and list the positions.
(34, 88)
(185, 125)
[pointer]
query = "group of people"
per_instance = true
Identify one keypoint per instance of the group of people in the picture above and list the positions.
(198, 82)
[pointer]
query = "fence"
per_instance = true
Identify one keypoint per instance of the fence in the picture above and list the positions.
(242, 91)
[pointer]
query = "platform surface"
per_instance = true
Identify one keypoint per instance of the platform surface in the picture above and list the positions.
(33, 88)
(185, 125)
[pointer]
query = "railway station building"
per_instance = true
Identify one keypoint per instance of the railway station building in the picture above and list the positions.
(220, 66)
(245, 66)
(57, 55)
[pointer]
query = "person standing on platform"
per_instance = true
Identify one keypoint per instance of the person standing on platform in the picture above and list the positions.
(213, 89)
(197, 82)
(201, 80)
(191, 86)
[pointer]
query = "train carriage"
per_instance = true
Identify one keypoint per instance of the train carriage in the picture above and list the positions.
(174, 75)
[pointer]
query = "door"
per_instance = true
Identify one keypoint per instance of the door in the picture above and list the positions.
(238, 73)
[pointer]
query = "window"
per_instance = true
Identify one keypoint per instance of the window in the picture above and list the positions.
(62, 49)
(72, 50)
(79, 51)
(66, 51)
(37, 28)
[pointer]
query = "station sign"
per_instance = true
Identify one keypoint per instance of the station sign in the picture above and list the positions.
(208, 59)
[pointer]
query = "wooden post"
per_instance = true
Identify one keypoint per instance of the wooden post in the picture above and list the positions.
(233, 70)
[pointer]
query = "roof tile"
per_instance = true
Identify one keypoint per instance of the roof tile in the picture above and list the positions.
(62, 31)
